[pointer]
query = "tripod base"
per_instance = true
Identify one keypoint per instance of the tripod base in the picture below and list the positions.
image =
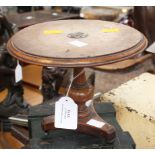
(69, 139)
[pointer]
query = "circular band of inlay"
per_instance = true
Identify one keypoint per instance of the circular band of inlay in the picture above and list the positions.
(77, 35)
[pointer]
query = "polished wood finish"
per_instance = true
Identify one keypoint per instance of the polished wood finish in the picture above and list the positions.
(81, 91)
(34, 81)
(124, 64)
(33, 46)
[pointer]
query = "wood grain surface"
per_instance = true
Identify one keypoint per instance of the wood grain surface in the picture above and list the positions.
(32, 75)
(33, 45)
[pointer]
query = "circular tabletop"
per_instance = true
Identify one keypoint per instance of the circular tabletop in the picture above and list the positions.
(76, 43)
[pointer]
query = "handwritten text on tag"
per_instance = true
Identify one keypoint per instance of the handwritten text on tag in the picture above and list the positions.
(66, 113)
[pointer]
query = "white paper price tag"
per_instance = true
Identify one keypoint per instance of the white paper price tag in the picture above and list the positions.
(66, 113)
(18, 73)
(78, 43)
(151, 48)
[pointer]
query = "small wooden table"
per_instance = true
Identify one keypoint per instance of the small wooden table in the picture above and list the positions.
(77, 44)
(23, 20)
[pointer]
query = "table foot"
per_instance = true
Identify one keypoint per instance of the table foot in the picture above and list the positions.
(71, 139)
(82, 93)
(99, 127)
(95, 125)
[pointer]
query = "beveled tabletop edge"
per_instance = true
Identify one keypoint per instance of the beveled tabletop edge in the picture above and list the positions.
(77, 62)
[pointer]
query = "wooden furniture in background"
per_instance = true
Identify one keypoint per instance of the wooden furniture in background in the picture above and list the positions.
(35, 80)
(30, 18)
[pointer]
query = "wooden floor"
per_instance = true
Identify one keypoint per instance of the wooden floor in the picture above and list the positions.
(7, 141)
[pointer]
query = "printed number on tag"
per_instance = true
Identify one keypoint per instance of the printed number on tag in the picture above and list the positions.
(18, 73)
(66, 113)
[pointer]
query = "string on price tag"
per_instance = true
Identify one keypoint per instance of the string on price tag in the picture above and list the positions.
(73, 78)
(66, 110)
